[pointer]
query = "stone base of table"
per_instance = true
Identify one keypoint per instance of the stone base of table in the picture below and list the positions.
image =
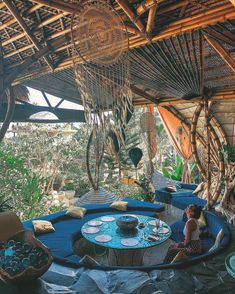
(126, 257)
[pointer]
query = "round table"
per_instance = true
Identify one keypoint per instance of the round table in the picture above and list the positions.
(126, 248)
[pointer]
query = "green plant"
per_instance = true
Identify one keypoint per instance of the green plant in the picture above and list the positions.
(175, 171)
(148, 191)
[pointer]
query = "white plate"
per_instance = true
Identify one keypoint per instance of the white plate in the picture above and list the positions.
(107, 219)
(129, 242)
(152, 222)
(91, 230)
(103, 238)
(162, 230)
(94, 223)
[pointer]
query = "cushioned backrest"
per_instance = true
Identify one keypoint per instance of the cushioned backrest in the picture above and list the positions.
(214, 223)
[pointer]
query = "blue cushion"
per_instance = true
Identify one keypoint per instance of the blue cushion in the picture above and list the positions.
(141, 205)
(189, 186)
(183, 202)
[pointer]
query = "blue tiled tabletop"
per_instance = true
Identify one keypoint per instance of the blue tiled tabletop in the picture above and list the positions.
(111, 229)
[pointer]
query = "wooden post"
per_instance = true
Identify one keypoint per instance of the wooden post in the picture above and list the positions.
(193, 141)
(1, 72)
(208, 150)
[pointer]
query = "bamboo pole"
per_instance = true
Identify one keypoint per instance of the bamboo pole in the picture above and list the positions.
(23, 25)
(29, 61)
(147, 4)
(9, 114)
(132, 16)
(221, 34)
(193, 141)
(1, 72)
(172, 30)
(224, 54)
(13, 20)
(150, 21)
(208, 151)
(60, 5)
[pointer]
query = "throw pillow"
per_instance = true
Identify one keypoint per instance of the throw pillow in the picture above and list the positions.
(77, 212)
(179, 256)
(42, 226)
(171, 188)
(119, 205)
(218, 239)
(202, 221)
(199, 188)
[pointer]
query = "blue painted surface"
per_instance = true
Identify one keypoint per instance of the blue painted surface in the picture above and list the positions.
(111, 229)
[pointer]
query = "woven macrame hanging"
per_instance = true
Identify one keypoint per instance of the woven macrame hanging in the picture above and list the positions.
(102, 67)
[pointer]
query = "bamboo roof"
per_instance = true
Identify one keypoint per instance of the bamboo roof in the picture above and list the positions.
(172, 45)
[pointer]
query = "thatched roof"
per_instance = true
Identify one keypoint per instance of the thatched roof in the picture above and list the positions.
(174, 46)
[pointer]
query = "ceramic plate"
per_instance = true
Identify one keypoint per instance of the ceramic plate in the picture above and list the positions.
(94, 223)
(107, 219)
(91, 230)
(152, 222)
(103, 238)
(161, 230)
(129, 242)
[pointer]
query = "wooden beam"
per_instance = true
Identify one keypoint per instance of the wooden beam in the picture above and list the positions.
(223, 53)
(132, 16)
(13, 20)
(23, 25)
(233, 2)
(29, 61)
(150, 21)
(221, 34)
(1, 70)
(182, 11)
(142, 93)
(60, 5)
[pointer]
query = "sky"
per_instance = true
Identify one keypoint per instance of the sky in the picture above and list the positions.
(36, 97)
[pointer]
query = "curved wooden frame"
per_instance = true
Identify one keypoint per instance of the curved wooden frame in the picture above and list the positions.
(9, 113)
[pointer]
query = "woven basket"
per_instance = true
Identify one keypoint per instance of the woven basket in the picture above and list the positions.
(29, 273)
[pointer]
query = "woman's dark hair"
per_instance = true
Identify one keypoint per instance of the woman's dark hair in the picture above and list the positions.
(196, 210)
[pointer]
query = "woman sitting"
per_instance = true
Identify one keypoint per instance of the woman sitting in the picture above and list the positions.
(192, 242)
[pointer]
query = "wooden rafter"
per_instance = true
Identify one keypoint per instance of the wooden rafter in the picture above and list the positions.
(224, 54)
(142, 93)
(58, 4)
(21, 22)
(131, 14)
(183, 9)
(150, 21)
(10, 78)
(222, 35)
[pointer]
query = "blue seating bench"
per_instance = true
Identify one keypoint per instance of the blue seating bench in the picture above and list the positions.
(68, 229)
(181, 198)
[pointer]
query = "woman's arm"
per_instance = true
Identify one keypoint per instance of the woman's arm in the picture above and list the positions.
(190, 227)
